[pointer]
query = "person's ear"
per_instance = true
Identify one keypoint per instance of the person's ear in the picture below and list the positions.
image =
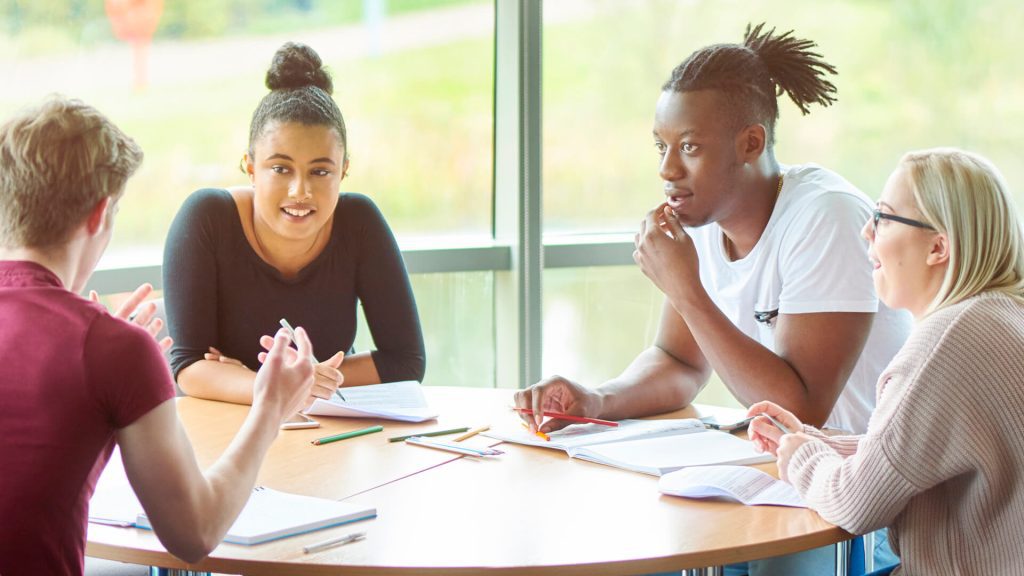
(344, 169)
(96, 221)
(249, 167)
(751, 142)
(939, 253)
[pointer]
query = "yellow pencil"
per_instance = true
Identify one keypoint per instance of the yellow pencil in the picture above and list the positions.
(472, 432)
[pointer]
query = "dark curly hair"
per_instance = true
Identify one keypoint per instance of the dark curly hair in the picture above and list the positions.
(751, 76)
(300, 91)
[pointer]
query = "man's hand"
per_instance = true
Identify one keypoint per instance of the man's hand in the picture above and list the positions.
(283, 382)
(134, 310)
(666, 255)
(556, 394)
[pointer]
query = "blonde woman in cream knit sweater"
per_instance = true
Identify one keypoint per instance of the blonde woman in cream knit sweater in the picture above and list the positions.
(941, 461)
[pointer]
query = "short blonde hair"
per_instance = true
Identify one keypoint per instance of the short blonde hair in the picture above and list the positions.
(964, 196)
(57, 161)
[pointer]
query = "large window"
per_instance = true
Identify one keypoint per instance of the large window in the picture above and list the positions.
(416, 80)
(912, 74)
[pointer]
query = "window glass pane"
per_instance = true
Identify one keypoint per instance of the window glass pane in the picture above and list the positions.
(911, 75)
(413, 78)
(597, 320)
(456, 313)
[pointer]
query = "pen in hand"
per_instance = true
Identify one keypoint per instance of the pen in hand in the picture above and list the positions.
(777, 423)
(291, 332)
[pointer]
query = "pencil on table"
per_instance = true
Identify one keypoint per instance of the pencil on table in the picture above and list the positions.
(472, 433)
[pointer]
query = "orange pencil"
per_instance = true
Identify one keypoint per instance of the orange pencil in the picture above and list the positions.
(538, 432)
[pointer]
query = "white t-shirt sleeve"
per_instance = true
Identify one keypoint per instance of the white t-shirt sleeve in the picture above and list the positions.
(824, 260)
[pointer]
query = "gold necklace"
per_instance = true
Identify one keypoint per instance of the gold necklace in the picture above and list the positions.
(729, 246)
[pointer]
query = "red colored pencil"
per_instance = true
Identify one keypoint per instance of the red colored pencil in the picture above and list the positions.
(570, 417)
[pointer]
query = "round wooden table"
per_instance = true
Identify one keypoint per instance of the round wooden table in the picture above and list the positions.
(530, 511)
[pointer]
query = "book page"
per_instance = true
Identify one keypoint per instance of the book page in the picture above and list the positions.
(744, 484)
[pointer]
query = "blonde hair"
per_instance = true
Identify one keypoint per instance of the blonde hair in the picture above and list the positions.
(964, 196)
(57, 161)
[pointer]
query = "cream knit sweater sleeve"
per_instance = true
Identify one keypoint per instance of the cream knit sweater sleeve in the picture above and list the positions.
(940, 463)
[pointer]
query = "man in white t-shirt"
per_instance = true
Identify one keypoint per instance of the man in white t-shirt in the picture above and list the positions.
(809, 259)
(765, 275)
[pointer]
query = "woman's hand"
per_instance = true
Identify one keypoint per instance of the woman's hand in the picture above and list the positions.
(765, 435)
(215, 355)
(789, 444)
(327, 378)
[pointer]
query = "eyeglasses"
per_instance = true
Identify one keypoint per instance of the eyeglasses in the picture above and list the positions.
(879, 215)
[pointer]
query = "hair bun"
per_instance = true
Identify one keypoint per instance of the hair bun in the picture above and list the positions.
(297, 66)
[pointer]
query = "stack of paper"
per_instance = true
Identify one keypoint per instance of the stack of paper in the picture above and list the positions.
(743, 484)
(392, 401)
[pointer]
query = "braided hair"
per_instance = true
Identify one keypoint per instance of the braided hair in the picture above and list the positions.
(751, 76)
(300, 91)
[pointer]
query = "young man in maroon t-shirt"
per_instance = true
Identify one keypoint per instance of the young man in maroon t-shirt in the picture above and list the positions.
(74, 379)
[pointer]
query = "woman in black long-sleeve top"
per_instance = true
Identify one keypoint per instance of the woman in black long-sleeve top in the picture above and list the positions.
(290, 246)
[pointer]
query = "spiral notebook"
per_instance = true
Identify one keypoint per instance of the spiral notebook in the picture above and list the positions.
(270, 515)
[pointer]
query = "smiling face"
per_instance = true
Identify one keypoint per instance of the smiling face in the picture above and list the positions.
(296, 171)
(700, 163)
(903, 255)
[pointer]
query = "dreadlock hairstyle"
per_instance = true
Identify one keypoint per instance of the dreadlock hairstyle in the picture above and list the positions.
(751, 76)
(300, 91)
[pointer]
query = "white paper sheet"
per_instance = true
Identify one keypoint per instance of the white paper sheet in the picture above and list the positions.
(392, 401)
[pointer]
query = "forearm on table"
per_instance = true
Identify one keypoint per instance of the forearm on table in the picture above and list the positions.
(844, 445)
(217, 381)
(859, 493)
(653, 383)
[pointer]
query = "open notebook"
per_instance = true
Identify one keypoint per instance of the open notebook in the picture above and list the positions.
(663, 454)
(579, 435)
(268, 515)
(648, 446)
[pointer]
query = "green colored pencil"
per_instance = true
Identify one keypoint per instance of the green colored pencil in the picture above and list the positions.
(346, 435)
(434, 433)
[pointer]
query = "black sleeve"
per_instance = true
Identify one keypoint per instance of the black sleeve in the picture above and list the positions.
(190, 276)
(382, 285)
